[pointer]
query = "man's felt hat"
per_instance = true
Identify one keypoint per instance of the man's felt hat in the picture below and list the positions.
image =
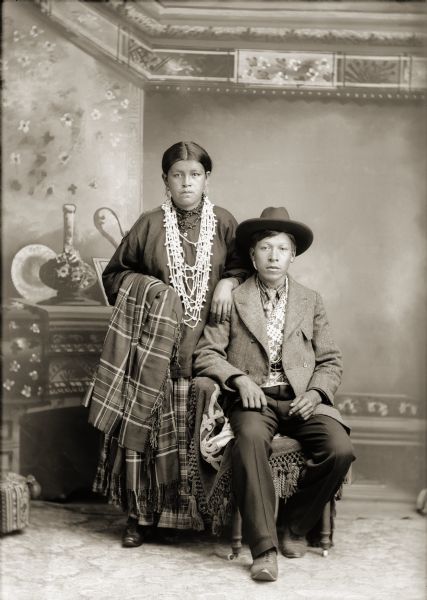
(275, 219)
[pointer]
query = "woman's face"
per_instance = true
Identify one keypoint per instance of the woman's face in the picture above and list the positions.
(186, 180)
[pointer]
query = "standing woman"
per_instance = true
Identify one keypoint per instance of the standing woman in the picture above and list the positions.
(187, 243)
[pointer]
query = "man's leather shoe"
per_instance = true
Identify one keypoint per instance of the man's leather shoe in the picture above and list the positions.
(292, 545)
(264, 567)
(132, 535)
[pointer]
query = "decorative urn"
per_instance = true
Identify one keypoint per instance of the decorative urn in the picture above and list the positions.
(67, 273)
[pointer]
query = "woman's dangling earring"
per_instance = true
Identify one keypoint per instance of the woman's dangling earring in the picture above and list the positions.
(204, 196)
(168, 193)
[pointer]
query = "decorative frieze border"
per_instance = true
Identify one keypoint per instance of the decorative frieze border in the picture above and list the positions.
(288, 73)
(139, 17)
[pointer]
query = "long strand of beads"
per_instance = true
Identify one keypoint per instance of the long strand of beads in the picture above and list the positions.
(190, 282)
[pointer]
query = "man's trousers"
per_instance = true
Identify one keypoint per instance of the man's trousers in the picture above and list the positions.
(329, 452)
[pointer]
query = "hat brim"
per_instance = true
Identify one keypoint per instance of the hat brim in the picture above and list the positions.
(302, 234)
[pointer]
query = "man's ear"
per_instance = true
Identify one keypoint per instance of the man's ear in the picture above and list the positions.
(251, 256)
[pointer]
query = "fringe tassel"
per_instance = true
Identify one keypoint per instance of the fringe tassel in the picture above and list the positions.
(285, 481)
(196, 520)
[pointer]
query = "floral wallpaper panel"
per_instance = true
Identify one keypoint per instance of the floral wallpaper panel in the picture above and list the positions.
(71, 133)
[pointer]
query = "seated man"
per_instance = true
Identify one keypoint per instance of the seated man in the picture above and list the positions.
(276, 357)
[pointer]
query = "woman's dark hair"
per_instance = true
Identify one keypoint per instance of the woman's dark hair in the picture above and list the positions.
(186, 151)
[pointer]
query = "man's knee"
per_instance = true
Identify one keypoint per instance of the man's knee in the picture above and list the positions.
(343, 453)
(251, 439)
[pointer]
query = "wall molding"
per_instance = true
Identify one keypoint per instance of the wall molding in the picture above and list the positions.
(383, 75)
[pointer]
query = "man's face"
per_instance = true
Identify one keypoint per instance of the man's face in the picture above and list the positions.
(271, 257)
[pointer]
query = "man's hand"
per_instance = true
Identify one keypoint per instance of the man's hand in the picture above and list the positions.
(304, 405)
(250, 393)
(222, 299)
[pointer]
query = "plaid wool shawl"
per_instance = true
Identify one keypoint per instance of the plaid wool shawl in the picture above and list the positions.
(130, 396)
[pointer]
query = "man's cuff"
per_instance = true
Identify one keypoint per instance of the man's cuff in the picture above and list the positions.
(230, 382)
(324, 398)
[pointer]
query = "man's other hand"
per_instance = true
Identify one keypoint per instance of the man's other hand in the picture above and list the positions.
(305, 404)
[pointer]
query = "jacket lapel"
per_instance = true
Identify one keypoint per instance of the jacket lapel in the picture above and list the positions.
(296, 307)
(248, 305)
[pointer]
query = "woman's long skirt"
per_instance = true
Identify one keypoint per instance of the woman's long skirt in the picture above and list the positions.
(123, 480)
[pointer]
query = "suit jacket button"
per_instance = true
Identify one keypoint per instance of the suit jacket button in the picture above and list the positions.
(305, 365)
(298, 332)
(247, 371)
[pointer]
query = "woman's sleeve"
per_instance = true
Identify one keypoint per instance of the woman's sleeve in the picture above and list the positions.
(126, 259)
(235, 265)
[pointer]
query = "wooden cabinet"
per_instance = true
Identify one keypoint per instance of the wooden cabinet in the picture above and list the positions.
(49, 356)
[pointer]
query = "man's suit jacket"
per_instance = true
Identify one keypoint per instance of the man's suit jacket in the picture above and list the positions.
(239, 346)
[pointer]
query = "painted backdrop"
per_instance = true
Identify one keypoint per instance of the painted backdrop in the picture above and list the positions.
(356, 174)
(71, 134)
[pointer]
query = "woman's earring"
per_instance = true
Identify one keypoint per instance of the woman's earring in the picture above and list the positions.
(168, 194)
(205, 195)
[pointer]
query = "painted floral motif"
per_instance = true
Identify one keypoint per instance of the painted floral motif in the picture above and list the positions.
(26, 391)
(8, 384)
(24, 60)
(408, 408)
(67, 272)
(24, 126)
(15, 158)
(67, 119)
(173, 64)
(285, 68)
(362, 71)
(19, 344)
(96, 114)
(64, 157)
(378, 406)
(14, 366)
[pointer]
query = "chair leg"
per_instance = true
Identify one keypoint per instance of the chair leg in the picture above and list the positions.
(236, 535)
(325, 532)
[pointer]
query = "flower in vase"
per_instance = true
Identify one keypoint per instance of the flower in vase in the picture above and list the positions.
(63, 271)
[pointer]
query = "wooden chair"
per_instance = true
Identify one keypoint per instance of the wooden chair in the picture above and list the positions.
(287, 461)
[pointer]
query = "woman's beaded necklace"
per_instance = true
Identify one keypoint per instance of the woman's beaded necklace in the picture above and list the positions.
(190, 282)
(188, 219)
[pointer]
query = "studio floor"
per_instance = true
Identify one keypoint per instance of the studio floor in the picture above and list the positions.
(72, 551)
